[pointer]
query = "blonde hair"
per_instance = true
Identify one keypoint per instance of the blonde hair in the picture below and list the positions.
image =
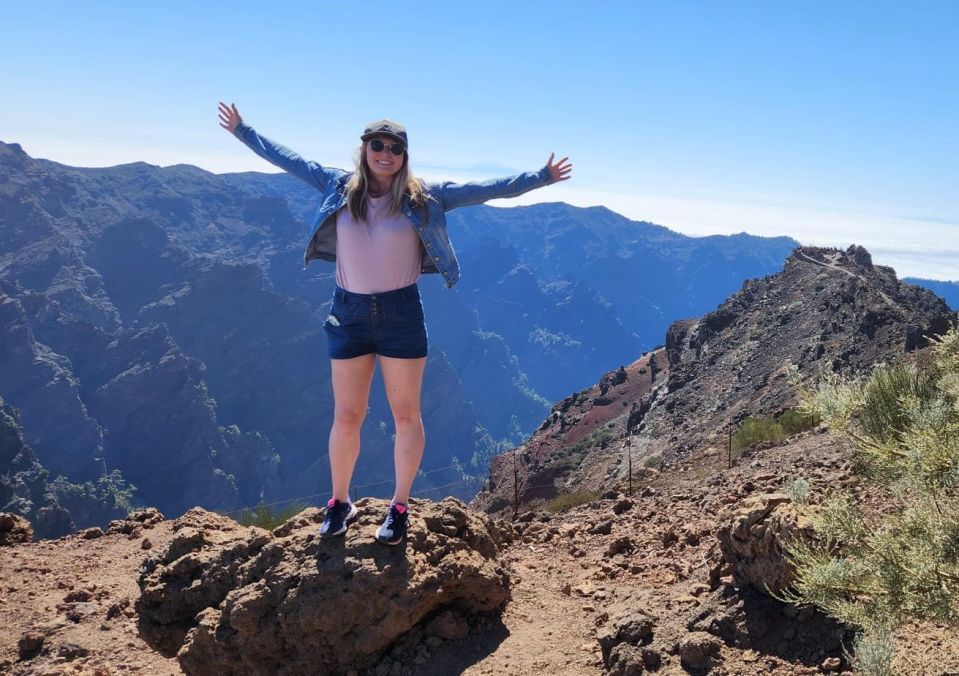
(404, 183)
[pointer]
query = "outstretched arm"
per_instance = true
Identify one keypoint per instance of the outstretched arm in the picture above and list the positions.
(274, 153)
(455, 195)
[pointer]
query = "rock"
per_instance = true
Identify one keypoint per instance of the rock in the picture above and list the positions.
(30, 644)
(117, 608)
(750, 540)
(14, 529)
(91, 533)
(831, 664)
(634, 628)
(621, 545)
(602, 528)
(448, 626)
(146, 544)
(698, 588)
(135, 522)
(229, 599)
(80, 610)
(71, 651)
(697, 649)
(625, 660)
(622, 506)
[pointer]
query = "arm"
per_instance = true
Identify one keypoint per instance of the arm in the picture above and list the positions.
(453, 195)
(274, 153)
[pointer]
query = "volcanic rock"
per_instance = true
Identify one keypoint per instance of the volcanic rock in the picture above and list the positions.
(14, 529)
(231, 599)
(751, 541)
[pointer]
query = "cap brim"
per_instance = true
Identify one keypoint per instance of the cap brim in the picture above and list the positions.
(374, 134)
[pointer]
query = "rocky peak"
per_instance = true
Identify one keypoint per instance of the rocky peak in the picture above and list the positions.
(828, 309)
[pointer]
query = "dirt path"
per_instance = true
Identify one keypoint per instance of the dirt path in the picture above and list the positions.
(77, 596)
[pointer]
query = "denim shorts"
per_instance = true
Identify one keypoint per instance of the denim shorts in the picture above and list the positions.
(389, 324)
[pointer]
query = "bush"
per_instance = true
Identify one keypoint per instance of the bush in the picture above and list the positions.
(653, 461)
(561, 503)
(760, 430)
(794, 421)
(269, 517)
(878, 569)
(757, 431)
(798, 491)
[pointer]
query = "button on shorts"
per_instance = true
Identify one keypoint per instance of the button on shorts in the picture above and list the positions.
(390, 324)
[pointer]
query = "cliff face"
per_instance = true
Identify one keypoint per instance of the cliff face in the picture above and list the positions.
(23, 482)
(827, 310)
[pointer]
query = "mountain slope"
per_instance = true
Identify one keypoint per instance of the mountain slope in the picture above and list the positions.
(827, 310)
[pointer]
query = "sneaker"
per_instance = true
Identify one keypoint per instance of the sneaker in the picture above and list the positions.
(393, 530)
(338, 515)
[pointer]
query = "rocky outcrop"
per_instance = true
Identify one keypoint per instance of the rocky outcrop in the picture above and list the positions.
(14, 529)
(230, 599)
(751, 541)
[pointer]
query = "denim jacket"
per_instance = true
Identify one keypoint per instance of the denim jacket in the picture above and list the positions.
(438, 254)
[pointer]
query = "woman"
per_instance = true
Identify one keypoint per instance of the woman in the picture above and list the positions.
(383, 228)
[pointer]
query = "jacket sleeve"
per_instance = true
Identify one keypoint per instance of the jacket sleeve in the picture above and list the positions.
(454, 195)
(306, 170)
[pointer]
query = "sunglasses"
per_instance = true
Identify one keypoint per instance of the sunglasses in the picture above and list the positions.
(377, 146)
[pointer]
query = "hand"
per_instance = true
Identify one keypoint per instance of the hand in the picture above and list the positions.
(559, 171)
(229, 117)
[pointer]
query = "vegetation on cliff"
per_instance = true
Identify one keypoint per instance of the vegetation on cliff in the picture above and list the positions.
(876, 566)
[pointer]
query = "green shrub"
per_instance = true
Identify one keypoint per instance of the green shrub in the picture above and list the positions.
(566, 501)
(876, 569)
(653, 461)
(798, 491)
(760, 429)
(795, 420)
(754, 431)
(269, 517)
(882, 413)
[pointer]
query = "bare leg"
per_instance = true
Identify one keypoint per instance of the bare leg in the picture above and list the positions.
(351, 393)
(403, 379)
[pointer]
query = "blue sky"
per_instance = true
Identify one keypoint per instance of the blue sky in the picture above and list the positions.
(832, 122)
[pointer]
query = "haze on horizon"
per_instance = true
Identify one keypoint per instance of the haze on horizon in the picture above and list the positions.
(830, 124)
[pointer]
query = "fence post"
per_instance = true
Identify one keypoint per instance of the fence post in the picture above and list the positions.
(515, 488)
(729, 443)
(629, 464)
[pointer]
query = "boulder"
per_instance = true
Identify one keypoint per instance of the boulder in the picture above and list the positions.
(14, 529)
(698, 649)
(751, 541)
(633, 629)
(231, 599)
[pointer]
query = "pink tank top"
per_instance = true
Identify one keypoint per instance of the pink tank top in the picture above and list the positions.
(379, 254)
